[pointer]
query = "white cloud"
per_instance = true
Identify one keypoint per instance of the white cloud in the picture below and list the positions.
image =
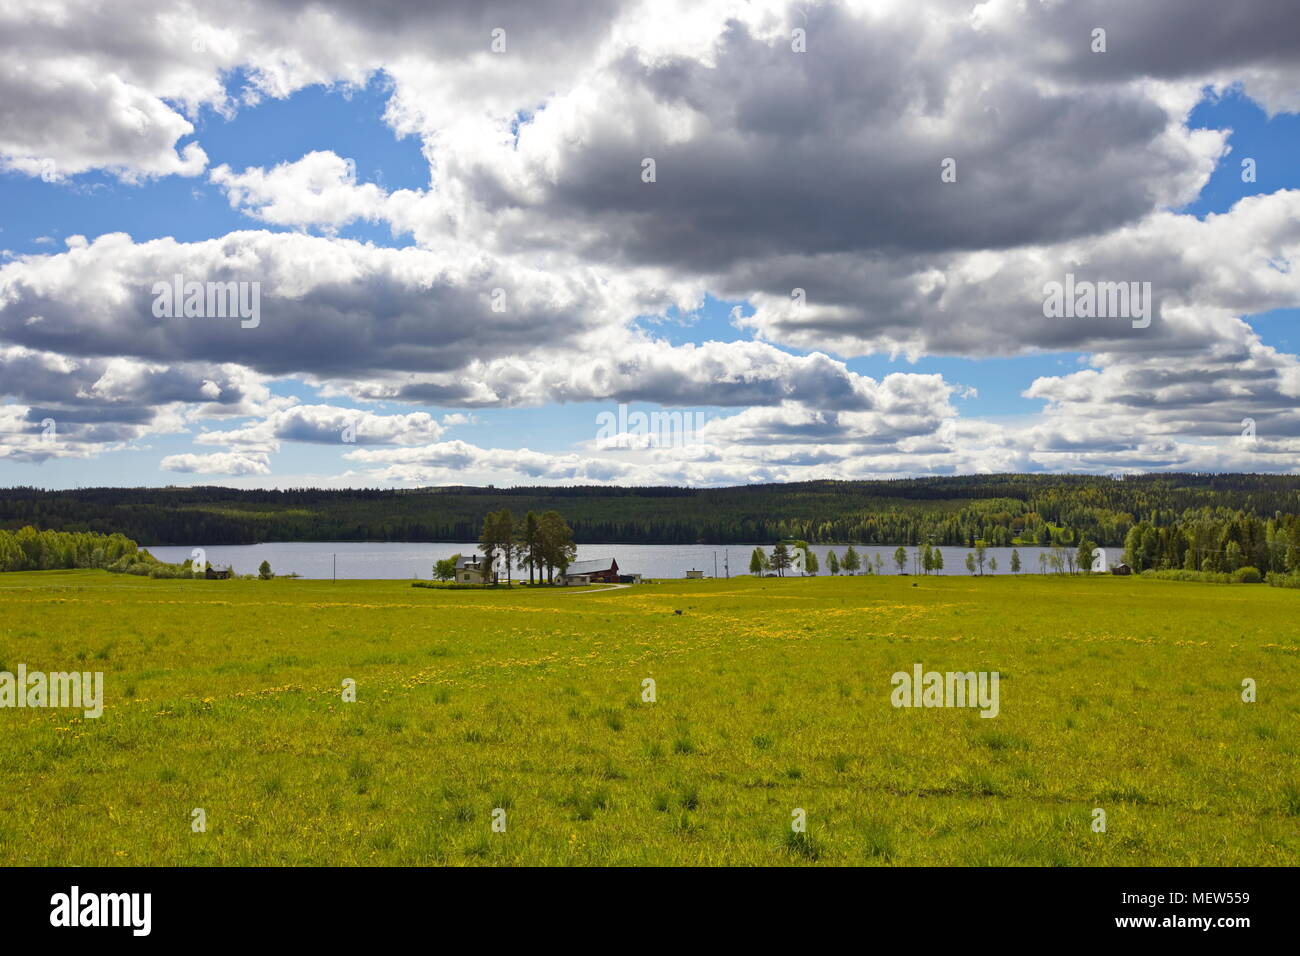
(219, 463)
(328, 424)
(318, 190)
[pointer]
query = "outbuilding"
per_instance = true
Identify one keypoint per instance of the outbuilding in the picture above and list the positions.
(599, 571)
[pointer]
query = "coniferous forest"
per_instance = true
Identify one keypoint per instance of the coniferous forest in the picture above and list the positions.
(1220, 520)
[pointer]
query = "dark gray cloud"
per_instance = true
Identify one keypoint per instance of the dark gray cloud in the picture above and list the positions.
(1166, 39)
(839, 150)
(99, 389)
(330, 309)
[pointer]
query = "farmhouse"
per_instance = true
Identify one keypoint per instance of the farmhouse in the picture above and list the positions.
(1121, 569)
(469, 570)
(599, 571)
(212, 574)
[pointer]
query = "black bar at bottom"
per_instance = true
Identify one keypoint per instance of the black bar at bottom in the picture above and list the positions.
(299, 905)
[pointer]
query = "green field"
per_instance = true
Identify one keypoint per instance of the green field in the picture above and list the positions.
(772, 695)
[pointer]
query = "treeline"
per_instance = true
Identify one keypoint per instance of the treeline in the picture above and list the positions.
(30, 550)
(1216, 543)
(798, 557)
(998, 510)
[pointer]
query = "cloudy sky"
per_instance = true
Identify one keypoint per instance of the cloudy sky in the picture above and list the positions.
(466, 233)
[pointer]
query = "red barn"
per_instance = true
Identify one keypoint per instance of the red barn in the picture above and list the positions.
(600, 571)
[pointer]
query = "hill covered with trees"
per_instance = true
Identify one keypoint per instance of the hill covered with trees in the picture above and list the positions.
(1207, 511)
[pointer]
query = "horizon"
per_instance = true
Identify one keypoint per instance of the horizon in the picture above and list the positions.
(618, 487)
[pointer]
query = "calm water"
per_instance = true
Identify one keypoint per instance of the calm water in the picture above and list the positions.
(384, 560)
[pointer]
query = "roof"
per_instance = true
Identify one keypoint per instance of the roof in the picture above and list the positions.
(591, 567)
(465, 561)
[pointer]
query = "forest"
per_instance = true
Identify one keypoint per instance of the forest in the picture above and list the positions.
(1222, 521)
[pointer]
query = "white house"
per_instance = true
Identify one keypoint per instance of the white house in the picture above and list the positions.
(469, 570)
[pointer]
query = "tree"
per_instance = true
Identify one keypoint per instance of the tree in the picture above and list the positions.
(927, 559)
(264, 571)
(1087, 554)
(1042, 562)
(509, 542)
(757, 562)
(1232, 557)
(557, 548)
(981, 555)
(936, 559)
(1015, 561)
(530, 544)
(832, 563)
(851, 561)
(497, 538)
(1141, 546)
(487, 543)
(810, 564)
(970, 562)
(880, 563)
(993, 565)
(445, 569)
(900, 558)
(780, 558)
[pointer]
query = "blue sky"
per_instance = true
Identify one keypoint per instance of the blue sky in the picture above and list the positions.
(1274, 143)
(503, 180)
(347, 121)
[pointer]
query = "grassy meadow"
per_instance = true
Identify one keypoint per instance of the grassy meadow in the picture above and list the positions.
(1116, 693)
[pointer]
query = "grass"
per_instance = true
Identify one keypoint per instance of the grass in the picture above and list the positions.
(771, 695)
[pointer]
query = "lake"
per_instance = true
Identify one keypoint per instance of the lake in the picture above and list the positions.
(361, 560)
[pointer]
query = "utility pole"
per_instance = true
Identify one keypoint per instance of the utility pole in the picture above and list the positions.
(715, 565)
(336, 569)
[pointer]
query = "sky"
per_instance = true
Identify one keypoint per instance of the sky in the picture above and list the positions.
(522, 242)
